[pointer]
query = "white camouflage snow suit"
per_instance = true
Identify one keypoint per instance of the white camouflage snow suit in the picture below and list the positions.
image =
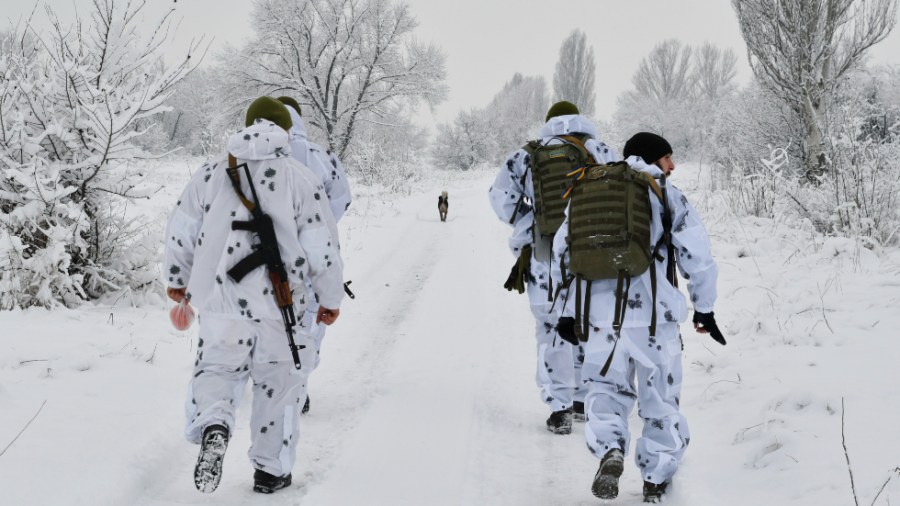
(644, 368)
(328, 169)
(558, 362)
(241, 330)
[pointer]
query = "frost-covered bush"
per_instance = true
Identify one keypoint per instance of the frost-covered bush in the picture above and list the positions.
(466, 142)
(374, 168)
(759, 159)
(858, 198)
(864, 183)
(70, 104)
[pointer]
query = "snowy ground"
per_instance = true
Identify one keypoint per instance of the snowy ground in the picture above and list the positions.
(425, 394)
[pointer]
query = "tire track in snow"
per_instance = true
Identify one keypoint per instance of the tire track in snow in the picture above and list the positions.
(390, 280)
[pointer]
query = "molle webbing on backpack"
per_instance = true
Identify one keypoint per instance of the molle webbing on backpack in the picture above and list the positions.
(551, 164)
(609, 222)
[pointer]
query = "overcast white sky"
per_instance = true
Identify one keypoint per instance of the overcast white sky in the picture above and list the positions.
(487, 41)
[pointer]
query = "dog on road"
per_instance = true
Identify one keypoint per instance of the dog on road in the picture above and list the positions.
(443, 205)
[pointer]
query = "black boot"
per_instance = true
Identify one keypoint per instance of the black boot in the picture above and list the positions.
(266, 483)
(560, 422)
(208, 470)
(653, 492)
(578, 411)
(606, 481)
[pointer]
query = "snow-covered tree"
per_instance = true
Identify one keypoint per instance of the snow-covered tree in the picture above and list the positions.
(465, 143)
(344, 61)
(194, 122)
(516, 112)
(390, 154)
(69, 104)
(574, 77)
(800, 50)
(749, 124)
(713, 72)
(675, 90)
(485, 135)
(665, 74)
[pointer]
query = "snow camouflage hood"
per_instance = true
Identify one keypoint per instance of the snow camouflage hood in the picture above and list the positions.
(568, 124)
(637, 163)
(263, 140)
(298, 131)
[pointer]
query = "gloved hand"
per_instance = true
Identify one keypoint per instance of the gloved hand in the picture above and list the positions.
(521, 271)
(706, 323)
(565, 327)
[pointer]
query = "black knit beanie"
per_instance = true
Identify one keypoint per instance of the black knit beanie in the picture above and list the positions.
(562, 108)
(649, 146)
(290, 102)
(270, 109)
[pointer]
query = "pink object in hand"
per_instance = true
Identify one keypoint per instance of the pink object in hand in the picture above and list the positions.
(182, 315)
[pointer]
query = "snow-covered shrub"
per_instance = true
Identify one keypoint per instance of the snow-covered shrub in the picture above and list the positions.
(864, 185)
(195, 124)
(466, 142)
(373, 168)
(748, 126)
(754, 189)
(70, 102)
(858, 198)
(390, 153)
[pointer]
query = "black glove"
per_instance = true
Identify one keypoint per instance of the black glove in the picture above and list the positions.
(565, 327)
(520, 272)
(706, 323)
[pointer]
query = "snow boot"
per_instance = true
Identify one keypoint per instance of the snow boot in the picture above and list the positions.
(560, 422)
(266, 483)
(305, 409)
(208, 470)
(606, 481)
(578, 411)
(653, 492)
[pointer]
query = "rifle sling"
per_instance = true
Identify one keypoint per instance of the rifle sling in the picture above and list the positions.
(235, 178)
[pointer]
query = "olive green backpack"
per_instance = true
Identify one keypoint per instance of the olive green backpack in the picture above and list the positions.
(551, 166)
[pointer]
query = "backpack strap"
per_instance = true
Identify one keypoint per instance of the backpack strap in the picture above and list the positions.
(657, 190)
(578, 142)
(666, 239)
(582, 308)
(623, 285)
(671, 261)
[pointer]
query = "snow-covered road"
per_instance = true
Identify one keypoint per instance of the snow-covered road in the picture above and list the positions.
(425, 394)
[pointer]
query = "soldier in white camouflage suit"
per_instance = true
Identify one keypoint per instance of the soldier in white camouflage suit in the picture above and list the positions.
(242, 335)
(326, 166)
(558, 361)
(644, 368)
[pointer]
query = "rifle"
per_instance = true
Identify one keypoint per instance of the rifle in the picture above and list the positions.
(266, 253)
(671, 260)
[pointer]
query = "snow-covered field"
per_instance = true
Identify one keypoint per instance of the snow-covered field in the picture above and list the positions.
(425, 395)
